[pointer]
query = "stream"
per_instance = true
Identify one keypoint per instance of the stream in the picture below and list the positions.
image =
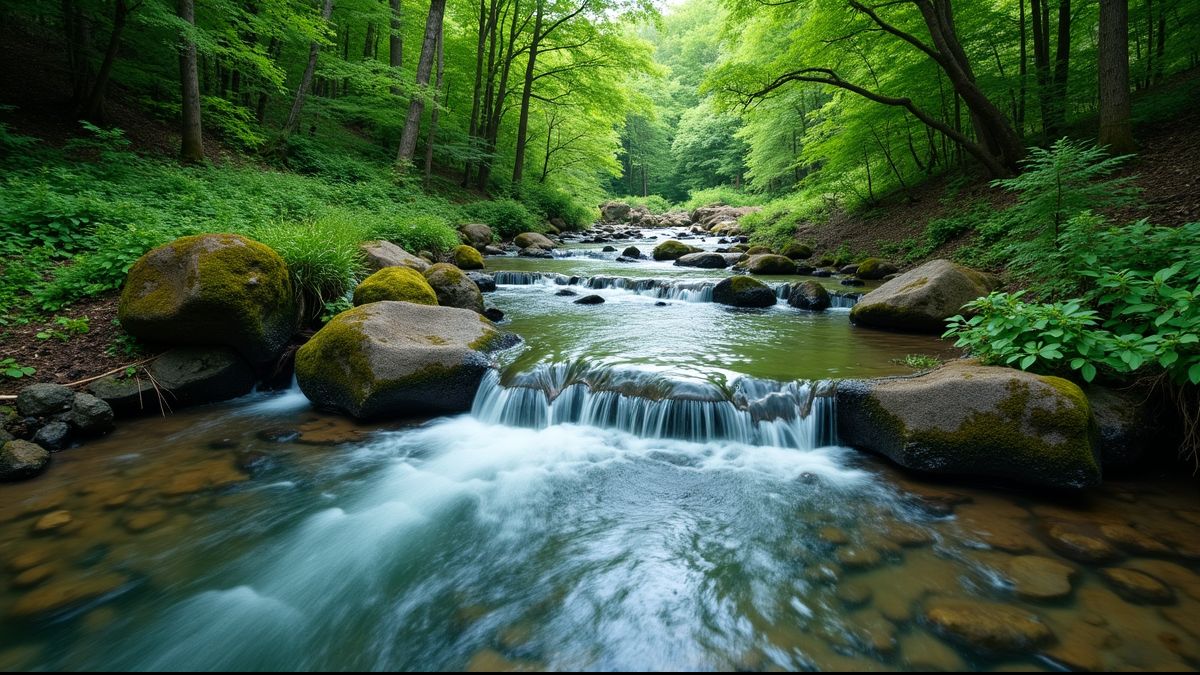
(638, 487)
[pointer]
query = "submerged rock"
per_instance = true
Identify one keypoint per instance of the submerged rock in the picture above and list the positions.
(590, 300)
(987, 626)
(184, 376)
(974, 420)
(743, 291)
(211, 289)
(535, 252)
(398, 359)
(22, 459)
(809, 295)
(381, 254)
(1038, 578)
(395, 283)
(922, 299)
(1138, 587)
(454, 288)
(631, 252)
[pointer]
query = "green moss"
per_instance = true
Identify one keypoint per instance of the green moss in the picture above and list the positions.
(395, 283)
(869, 266)
(334, 358)
(672, 250)
(759, 250)
(797, 251)
(467, 258)
(741, 283)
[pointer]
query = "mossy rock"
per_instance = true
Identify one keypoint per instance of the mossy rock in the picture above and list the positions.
(703, 260)
(395, 283)
(454, 288)
(476, 234)
(533, 240)
(759, 250)
(743, 291)
(672, 249)
(797, 251)
(921, 300)
(398, 359)
(211, 289)
(381, 254)
(467, 258)
(971, 420)
(20, 460)
(768, 263)
(873, 269)
(184, 376)
(809, 295)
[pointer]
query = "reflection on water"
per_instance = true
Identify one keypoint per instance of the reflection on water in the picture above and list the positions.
(256, 535)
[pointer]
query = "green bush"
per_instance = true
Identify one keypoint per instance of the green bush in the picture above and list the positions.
(654, 203)
(416, 232)
(550, 202)
(507, 217)
(720, 195)
(322, 255)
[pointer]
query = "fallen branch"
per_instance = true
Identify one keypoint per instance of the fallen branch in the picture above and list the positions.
(13, 397)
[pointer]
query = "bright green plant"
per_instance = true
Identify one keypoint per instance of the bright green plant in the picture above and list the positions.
(919, 361)
(322, 255)
(506, 216)
(10, 368)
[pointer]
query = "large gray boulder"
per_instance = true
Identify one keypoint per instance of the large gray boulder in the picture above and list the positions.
(21, 459)
(398, 359)
(44, 399)
(381, 254)
(769, 263)
(672, 249)
(183, 376)
(476, 234)
(809, 295)
(742, 291)
(973, 420)
(921, 300)
(533, 240)
(615, 212)
(710, 261)
(454, 288)
(211, 289)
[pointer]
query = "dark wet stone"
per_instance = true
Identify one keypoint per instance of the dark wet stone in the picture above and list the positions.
(1138, 587)
(43, 400)
(54, 436)
(493, 314)
(566, 292)
(590, 300)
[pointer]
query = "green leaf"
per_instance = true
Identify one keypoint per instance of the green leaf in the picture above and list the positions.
(1028, 361)
(1088, 371)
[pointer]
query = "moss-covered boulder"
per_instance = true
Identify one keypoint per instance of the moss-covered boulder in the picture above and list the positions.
(809, 295)
(615, 212)
(398, 359)
(759, 250)
(466, 258)
(742, 291)
(874, 269)
(533, 240)
(703, 260)
(921, 300)
(381, 254)
(476, 234)
(768, 263)
(211, 289)
(672, 249)
(972, 420)
(454, 288)
(395, 283)
(796, 251)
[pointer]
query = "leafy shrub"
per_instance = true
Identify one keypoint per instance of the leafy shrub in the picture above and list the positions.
(415, 232)
(722, 195)
(653, 203)
(550, 202)
(114, 250)
(506, 216)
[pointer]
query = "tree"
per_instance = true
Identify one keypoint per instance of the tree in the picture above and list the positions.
(192, 147)
(433, 28)
(1115, 130)
(314, 49)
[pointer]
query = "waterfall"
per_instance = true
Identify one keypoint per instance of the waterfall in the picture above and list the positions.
(684, 290)
(799, 415)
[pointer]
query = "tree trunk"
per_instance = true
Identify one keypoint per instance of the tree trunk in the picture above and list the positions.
(433, 115)
(485, 17)
(369, 42)
(192, 148)
(1061, 65)
(1115, 129)
(527, 96)
(433, 28)
(1019, 122)
(79, 48)
(496, 104)
(395, 44)
(314, 48)
(260, 110)
(93, 106)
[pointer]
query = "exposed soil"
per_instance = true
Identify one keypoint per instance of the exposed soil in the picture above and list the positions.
(64, 356)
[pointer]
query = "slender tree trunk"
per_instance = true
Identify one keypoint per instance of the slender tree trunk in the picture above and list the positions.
(93, 106)
(260, 110)
(293, 118)
(412, 125)
(396, 44)
(1061, 65)
(369, 42)
(496, 105)
(485, 16)
(1115, 129)
(433, 115)
(527, 95)
(1162, 41)
(192, 149)
(79, 48)
(1024, 71)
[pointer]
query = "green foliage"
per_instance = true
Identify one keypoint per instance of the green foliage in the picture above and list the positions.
(550, 202)
(654, 203)
(919, 361)
(418, 232)
(70, 327)
(507, 217)
(719, 195)
(322, 255)
(11, 369)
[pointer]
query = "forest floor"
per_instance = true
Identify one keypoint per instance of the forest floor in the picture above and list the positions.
(1166, 170)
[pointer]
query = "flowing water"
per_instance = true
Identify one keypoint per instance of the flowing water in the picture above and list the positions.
(634, 495)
